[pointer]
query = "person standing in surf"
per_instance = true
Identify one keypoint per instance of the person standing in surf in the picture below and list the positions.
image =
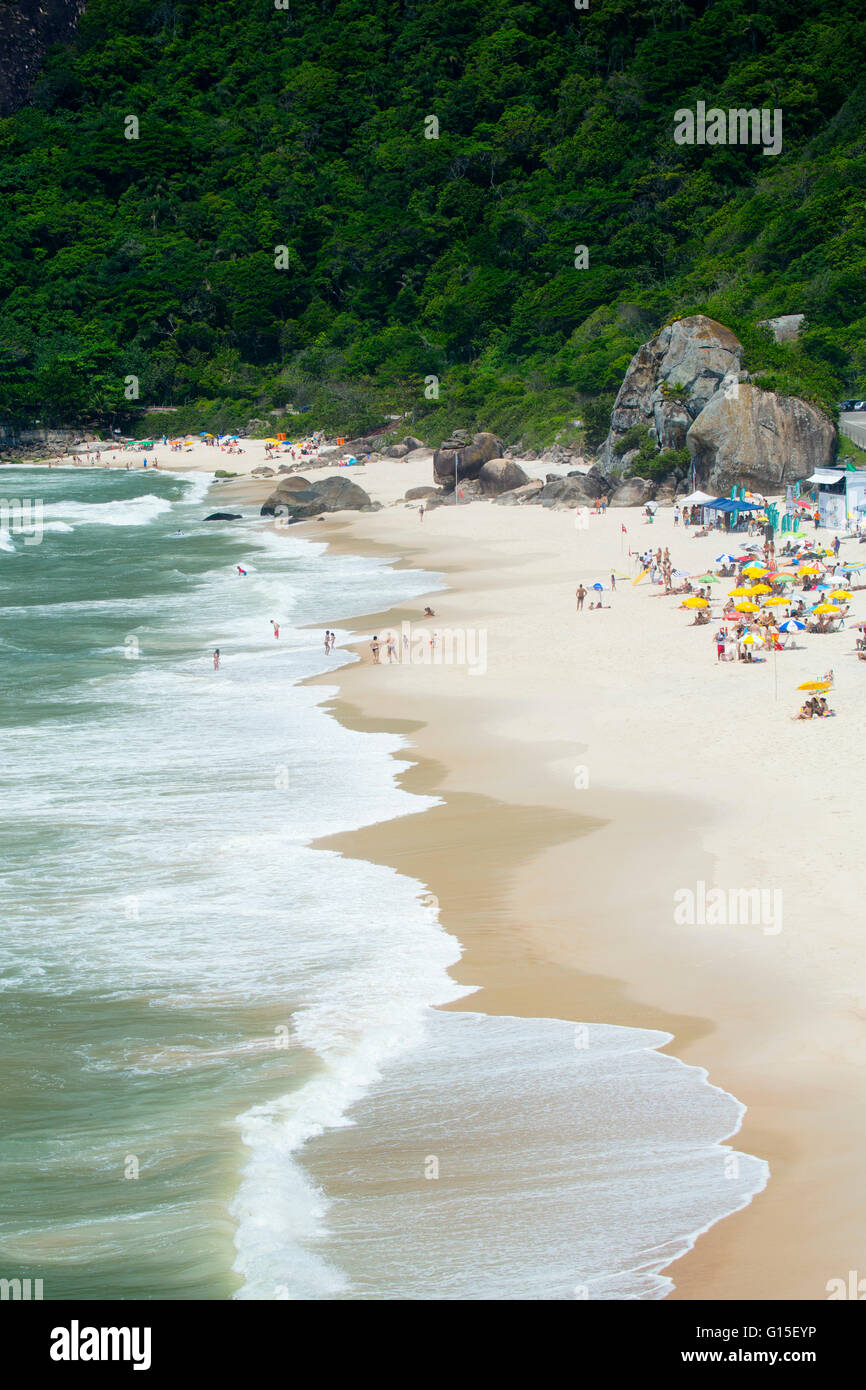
(216, 659)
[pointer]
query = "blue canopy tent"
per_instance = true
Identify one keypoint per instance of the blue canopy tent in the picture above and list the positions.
(728, 508)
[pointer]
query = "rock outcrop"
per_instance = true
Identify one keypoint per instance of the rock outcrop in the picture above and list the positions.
(520, 495)
(333, 494)
(418, 494)
(759, 439)
(501, 475)
(670, 380)
(224, 516)
(634, 492)
(567, 492)
(413, 442)
(29, 28)
(786, 328)
(462, 460)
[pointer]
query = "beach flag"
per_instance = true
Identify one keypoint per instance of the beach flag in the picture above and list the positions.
(625, 530)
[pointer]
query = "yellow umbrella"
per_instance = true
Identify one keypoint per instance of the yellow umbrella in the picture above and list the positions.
(739, 593)
(815, 685)
(826, 608)
(840, 594)
(753, 639)
(762, 589)
(747, 608)
(696, 603)
(755, 570)
(775, 603)
(809, 569)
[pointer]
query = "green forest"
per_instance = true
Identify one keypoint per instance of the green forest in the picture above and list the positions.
(284, 230)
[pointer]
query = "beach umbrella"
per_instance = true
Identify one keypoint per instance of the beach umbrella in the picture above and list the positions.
(739, 593)
(747, 608)
(696, 603)
(709, 579)
(752, 639)
(755, 571)
(792, 625)
(761, 589)
(815, 685)
(775, 603)
(785, 578)
(841, 594)
(809, 569)
(597, 585)
(825, 608)
(725, 560)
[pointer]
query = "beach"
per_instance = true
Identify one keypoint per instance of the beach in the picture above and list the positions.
(695, 773)
(589, 767)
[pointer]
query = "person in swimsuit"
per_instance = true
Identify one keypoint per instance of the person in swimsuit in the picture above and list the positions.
(216, 659)
(580, 592)
(276, 628)
(374, 648)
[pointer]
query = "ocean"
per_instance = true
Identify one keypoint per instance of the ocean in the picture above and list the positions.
(224, 1072)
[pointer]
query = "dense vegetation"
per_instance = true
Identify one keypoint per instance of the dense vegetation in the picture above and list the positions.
(406, 257)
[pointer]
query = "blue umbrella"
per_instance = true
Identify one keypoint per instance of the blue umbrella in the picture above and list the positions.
(725, 560)
(597, 585)
(792, 625)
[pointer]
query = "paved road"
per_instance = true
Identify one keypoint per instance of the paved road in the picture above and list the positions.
(853, 424)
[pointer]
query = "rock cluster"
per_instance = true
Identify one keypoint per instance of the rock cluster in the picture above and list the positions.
(334, 494)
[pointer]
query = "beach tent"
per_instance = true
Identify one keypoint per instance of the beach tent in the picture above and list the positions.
(696, 499)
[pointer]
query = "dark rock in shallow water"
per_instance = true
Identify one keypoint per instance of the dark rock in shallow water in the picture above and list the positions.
(224, 516)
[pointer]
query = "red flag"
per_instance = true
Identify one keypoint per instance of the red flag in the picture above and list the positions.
(625, 531)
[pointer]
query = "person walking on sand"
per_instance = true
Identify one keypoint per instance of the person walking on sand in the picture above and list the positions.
(276, 628)
(612, 582)
(421, 512)
(580, 592)
(391, 648)
(327, 642)
(374, 648)
(216, 659)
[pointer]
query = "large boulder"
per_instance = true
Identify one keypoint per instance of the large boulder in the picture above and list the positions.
(464, 461)
(413, 442)
(501, 475)
(334, 494)
(634, 492)
(759, 439)
(396, 451)
(417, 494)
(520, 495)
(670, 380)
(565, 492)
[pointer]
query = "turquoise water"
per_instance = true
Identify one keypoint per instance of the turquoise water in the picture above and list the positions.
(221, 1072)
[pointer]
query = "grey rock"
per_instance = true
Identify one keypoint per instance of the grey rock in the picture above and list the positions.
(501, 475)
(334, 494)
(396, 451)
(670, 380)
(413, 442)
(633, 493)
(224, 516)
(416, 494)
(759, 439)
(786, 328)
(464, 461)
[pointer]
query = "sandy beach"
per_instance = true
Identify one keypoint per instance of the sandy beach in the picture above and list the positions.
(590, 768)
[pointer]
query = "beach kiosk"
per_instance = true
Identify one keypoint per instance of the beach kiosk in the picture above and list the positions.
(841, 496)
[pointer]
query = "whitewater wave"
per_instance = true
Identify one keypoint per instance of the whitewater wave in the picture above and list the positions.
(133, 511)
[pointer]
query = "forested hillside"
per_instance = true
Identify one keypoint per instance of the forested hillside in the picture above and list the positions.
(410, 257)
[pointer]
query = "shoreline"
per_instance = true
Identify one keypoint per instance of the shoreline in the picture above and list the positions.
(561, 897)
(536, 857)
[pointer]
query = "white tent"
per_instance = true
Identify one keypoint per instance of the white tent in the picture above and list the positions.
(696, 499)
